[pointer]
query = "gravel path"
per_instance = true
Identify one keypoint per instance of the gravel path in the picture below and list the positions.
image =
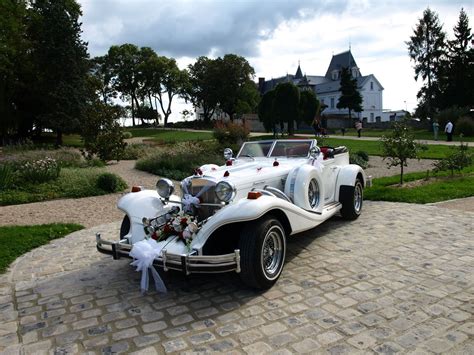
(93, 211)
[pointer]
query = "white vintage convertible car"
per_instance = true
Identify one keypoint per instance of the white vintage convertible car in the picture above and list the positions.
(237, 217)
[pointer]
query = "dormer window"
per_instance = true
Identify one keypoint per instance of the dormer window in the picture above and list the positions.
(371, 85)
(355, 72)
(335, 74)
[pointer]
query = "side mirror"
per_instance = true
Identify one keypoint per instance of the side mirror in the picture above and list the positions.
(228, 154)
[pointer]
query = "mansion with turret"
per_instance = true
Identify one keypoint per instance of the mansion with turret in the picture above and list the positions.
(327, 87)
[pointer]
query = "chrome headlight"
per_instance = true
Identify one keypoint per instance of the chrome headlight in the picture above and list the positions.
(165, 188)
(225, 191)
(314, 152)
(228, 153)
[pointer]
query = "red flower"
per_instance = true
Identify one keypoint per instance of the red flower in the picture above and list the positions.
(154, 236)
(184, 222)
(167, 229)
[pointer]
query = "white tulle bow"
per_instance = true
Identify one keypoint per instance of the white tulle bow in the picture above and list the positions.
(144, 252)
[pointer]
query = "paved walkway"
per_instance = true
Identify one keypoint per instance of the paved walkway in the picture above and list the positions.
(398, 279)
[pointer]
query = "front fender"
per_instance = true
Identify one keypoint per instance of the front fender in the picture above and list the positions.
(347, 177)
(145, 203)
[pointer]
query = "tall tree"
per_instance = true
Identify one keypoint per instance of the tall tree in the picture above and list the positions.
(350, 96)
(61, 62)
(426, 49)
(235, 75)
(124, 61)
(266, 113)
(457, 71)
(286, 104)
(203, 88)
(172, 82)
(309, 106)
(13, 60)
(101, 68)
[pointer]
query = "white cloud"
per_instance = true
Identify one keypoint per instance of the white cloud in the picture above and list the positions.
(275, 34)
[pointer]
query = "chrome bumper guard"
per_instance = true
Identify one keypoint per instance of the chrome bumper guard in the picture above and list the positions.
(188, 264)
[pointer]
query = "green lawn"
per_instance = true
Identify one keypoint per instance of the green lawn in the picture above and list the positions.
(442, 187)
(18, 240)
(164, 136)
(69, 140)
(434, 151)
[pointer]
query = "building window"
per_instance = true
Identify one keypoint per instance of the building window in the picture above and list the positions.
(371, 117)
(371, 85)
(335, 74)
(332, 102)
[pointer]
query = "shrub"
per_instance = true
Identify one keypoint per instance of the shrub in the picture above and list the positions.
(135, 151)
(459, 158)
(360, 158)
(230, 132)
(7, 176)
(450, 114)
(39, 171)
(465, 126)
(110, 182)
(127, 135)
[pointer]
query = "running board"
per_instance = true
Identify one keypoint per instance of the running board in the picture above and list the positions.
(328, 208)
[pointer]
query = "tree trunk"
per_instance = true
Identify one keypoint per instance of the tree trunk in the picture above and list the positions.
(59, 138)
(133, 114)
(401, 174)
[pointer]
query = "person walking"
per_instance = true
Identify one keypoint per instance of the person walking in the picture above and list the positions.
(358, 127)
(448, 129)
(435, 129)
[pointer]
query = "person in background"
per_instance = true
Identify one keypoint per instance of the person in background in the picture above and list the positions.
(448, 129)
(435, 129)
(358, 127)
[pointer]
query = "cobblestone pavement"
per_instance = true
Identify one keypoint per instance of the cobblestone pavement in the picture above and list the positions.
(398, 279)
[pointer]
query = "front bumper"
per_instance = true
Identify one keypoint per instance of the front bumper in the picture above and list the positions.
(186, 263)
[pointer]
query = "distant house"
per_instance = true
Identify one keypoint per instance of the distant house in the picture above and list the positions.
(327, 87)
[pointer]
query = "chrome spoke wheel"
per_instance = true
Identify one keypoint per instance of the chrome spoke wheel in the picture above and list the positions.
(272, 252)
(313, 193)
(358, 197)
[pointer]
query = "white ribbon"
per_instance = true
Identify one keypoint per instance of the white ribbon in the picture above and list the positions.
(144, 252)
(318, 162)
(189, 200)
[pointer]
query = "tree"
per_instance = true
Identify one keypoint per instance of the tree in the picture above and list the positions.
(350, 96)
(309, 106)
(61, 63)
(101, 68)
(203, 88)
(286, 104)
(235, 92)
(399, 146)
(266, 113)
(171, 82)
(426, 49)
(13, 61)
(457, 71)
(124, 61)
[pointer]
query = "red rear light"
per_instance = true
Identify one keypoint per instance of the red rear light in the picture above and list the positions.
(136, 188)
(253, 195)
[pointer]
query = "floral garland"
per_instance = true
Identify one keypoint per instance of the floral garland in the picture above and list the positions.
(183, 226)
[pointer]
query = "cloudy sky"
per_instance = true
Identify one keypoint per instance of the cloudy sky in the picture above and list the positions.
(275, 34)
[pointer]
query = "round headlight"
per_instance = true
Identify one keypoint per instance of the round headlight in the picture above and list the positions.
(228, 153)
(314, 152)
(225, 191)
(165, 188)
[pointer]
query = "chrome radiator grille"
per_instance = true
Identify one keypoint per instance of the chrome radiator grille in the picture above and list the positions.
(208, 196)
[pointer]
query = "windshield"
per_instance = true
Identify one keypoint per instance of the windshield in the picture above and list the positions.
(255, 149)
(296, 148)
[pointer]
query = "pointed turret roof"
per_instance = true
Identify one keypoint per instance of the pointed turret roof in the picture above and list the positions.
(299, 73)
(339, 61)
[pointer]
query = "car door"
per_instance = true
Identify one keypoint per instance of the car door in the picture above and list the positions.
(330, 172)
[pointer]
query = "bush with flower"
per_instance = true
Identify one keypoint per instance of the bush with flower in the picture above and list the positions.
(41, 170)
